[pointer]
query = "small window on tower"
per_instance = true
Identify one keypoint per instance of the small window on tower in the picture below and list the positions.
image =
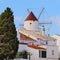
(30, 23)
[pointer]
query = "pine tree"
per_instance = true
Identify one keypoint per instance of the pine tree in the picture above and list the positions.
(8, 35)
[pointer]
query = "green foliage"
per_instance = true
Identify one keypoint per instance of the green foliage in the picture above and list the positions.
(8, 35)
(23, 54)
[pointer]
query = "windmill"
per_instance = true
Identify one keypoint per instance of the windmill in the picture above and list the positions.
(31, 26)
(41, 24)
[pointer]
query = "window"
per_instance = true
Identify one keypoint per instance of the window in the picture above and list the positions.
(52, 52)
(42, 54)
(30, 23)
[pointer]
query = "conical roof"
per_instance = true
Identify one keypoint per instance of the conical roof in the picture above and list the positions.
(31, 16)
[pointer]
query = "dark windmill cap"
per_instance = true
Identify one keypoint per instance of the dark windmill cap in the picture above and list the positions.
(31, 17)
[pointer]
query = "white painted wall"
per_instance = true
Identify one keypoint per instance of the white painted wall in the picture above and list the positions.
(51, 42)
(35, 53)
(47, 59)
(57, 42)
(58, 39)
(46, 42)
(50, 54)
(51, 46)
(33, 26)
(30, 42)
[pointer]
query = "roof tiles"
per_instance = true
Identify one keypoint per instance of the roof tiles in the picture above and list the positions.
(30, 17)
(37, 47)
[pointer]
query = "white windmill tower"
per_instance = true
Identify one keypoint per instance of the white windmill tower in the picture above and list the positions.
(31, 22)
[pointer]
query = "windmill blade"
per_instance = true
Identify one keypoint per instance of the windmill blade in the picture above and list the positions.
(46, 22)
(41, 13)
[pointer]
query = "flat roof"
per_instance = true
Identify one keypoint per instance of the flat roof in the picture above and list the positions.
(37, 47)
(35, 35)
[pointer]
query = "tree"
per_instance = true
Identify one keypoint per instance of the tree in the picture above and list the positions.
(8, 35)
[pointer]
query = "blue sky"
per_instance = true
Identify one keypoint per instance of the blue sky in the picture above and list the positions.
(51, 12)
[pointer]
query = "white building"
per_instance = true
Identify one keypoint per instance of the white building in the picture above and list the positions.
(57, 42)
(39, 46)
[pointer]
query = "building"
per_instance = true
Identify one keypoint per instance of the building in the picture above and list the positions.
(39, 45)
(57, 42)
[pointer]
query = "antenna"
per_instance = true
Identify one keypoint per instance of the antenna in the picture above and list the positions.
(41, 13)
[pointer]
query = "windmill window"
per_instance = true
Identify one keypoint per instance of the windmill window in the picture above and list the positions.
(30, 23)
